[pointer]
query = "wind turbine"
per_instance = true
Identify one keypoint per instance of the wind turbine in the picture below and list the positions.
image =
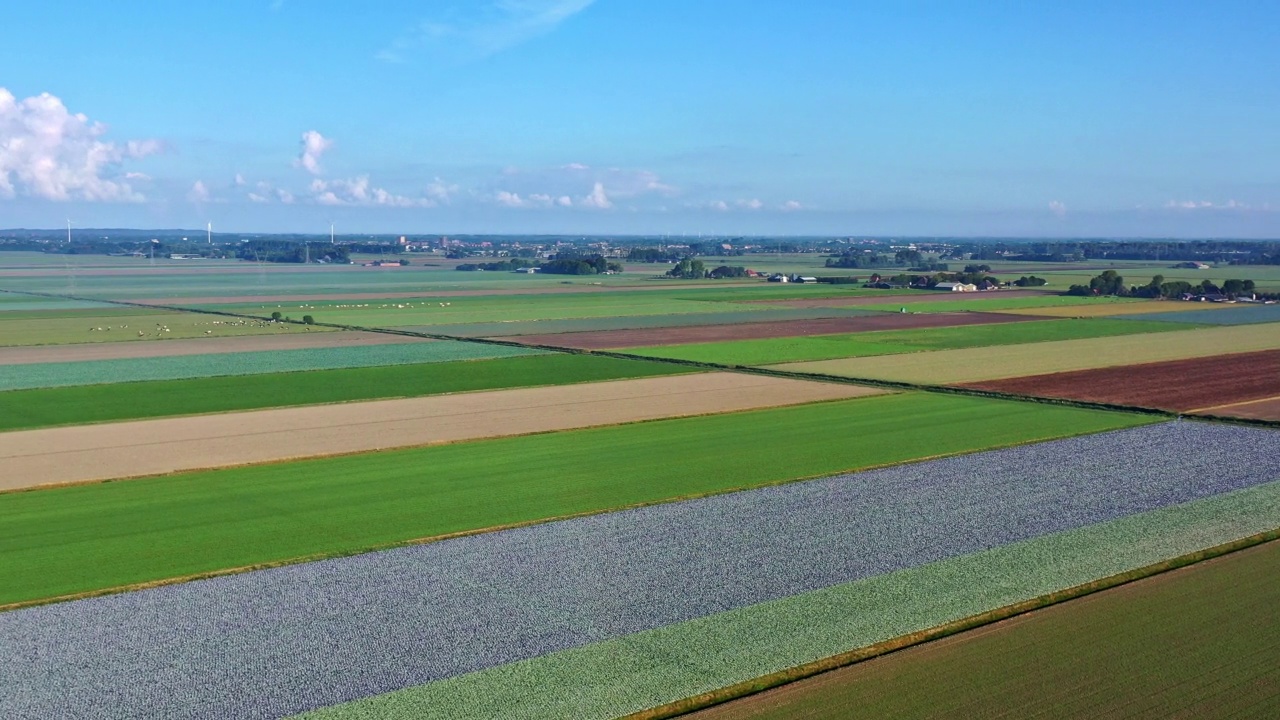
(210, 231)
(68, 231)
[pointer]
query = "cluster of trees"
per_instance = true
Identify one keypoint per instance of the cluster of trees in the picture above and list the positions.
(654, 255)
(859, 259)
(928, 281)
(1235, 252)
(590, 265)
(1030, 281)
(726, 271)
(688, 268)
(1111, 283)
(507, 265)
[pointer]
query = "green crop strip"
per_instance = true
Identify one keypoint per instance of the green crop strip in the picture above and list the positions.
(81, 539)
(890, 342)
(661, 667)
(27, 409)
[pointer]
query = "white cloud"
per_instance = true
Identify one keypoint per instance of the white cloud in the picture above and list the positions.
(313, 146)
(255, 197)
(137, 176)
(1206, 205)
(515, 200)
(1058, 208)
(487, 29)
(509, 199)
(239, 181)
(718, 205)
(440, 191)
(575, 166)
(597, 198)
(752, 204)
(791, 206)
(198, 192)
(48, 152)
(359, 191)
(564, 201)
(285, 197)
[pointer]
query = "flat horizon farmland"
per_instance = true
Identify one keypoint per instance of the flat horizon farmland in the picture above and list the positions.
(67, 327)
(84, 538)
(892, 342)
(1105, 649)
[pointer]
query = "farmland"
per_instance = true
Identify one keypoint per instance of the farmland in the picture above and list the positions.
(350, 523)
(891, 342)
(978, 364)
(1178, 385)
(604, 339)
(448, 596)
(1104, 645)
(154, 447)
(25, 409)
(89, 372)
(1230, 315)
(90, 537)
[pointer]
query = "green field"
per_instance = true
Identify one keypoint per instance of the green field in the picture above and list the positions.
(64, 327)
(888, 342)
(26, 409)
(82, 538)
(1107, 655)
(992, 302)
(734, 649)
(274, 362)
(976, 364)
(445, 310)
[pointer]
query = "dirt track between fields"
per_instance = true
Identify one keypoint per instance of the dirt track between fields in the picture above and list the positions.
(606, 339)
(1268, 409)
(901, 299)
(194, 346)
(150, 447)
(1178, 385)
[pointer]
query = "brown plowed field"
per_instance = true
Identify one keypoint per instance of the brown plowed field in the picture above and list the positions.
(194, 346)
(1177, 385)
(605, 339)
(901, 298)
(151, 447)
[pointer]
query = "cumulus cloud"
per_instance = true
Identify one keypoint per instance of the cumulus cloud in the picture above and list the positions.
(239, 181)
(791, 206)
(484, 29)
(752, 204)
(1205, 205)
(1058, 208)
(575, 166)
(718, 205)
(597, 198)
(48, 152)
(359, 191)
(440, 191)
(313, 146)
(198, 193)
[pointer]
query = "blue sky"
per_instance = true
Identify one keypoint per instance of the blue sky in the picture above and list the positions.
(645, 116)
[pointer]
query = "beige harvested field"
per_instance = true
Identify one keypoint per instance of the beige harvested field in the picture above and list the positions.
(1110, 309)
(151, 447)
(1268, 409)
(946, 367)
(196, 346)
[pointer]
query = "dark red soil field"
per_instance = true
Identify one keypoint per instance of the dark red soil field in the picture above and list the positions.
(1178, 385)
(1260, 410)
(900, 298)
(606, 339)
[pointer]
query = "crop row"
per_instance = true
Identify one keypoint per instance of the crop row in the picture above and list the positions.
(1239, 315)
(93, 372)
(290, 639)
(760, 313)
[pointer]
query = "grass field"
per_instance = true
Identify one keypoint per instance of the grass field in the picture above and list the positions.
(653, 668)
(993, 302)
(1106, 655)
(62, 327)
(97, 372)
(27, 409)
(823, 347)
(977, 364)
(82, 538)
(1113, 309)
(729, 317)
(1230, 315)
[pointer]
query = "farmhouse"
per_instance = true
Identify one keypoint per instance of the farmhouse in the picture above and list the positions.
(955, 287)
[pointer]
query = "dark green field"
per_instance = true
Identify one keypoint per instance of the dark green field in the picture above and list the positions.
(82, 538)
(1200, 642)
(890, 342)
(25, 409)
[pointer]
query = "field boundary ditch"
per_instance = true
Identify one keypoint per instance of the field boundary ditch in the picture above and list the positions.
(903, 642)
(886, 384)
